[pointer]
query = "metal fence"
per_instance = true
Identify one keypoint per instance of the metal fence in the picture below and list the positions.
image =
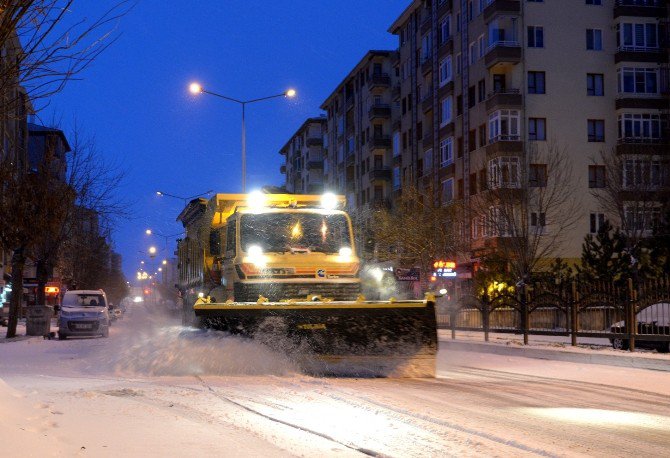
(627, 311)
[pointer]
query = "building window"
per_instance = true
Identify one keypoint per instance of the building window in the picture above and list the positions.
(482, 135)
(596, 176)
(445, 71)
(632, 80)
(594, 39)
(396, 177)
(445, 29)
(640, 217)
(446, 151)
(446, 111)
(538, 222)
(596, 130)
(428, 160)
(481, 44)
(537, 129)
(640, 128)
(596, 222)
(426, 47)
(537, 176)
(504, 172)
(459, 63)
(481, 90)
(645, 173)
(448, 190)
(504, 125)
(536, 83)
(472, 52)
(594, 84)
(637, 37)
(396, 144)
(535, 36)
(594, 2)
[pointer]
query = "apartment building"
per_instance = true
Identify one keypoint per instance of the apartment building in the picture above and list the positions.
(304, 158)
(483, 83)
(358, 143)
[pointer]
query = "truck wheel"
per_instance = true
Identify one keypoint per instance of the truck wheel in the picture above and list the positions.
(620, 344)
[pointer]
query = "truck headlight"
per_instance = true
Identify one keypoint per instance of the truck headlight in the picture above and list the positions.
(255, 255)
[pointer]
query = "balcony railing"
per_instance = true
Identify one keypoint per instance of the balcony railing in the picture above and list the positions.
(380, 80)
(506, 97)
(380, 110)
(501, 7)
(504, 138)
(503, 51)
(380, 141)
(380, 173)
(640, 8)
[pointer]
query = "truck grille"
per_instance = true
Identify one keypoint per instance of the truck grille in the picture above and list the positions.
(249, 292)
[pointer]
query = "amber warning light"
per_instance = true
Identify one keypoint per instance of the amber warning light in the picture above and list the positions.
(52, 289)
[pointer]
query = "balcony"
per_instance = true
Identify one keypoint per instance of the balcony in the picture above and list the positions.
(641, 54)
(643, 101)
(427, 101)
(504, 145)
(426, 65)
(445, 48)
(282, 169)
(380, 80)
(445, 90)
(505, 98)
(651, 9)
(379, 110)
(351, 159)
(426, 24)
(315, 165)
(396, 125)
(314, 141)
(380, 173)
(349, 103)
(379, 142)
(643, 146)
(444, 8)
(502, 52)
(315, 188)
(395, 92)
(501, 8)
(447, 130)
(427, 140)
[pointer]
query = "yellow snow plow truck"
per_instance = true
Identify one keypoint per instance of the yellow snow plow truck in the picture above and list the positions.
(282, 268)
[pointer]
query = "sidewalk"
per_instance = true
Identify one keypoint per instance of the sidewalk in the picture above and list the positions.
(589, 350)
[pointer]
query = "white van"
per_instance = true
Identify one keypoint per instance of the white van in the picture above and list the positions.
(83, 313)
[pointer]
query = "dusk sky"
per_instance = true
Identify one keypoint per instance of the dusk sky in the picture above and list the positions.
(134, 98)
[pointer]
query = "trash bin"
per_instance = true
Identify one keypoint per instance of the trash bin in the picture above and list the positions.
(38, 320)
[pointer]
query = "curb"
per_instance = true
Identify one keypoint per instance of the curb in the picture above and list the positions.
(656, 364)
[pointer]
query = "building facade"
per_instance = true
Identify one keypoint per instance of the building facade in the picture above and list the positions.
(481, 95)
(303, 158)
(486, 84)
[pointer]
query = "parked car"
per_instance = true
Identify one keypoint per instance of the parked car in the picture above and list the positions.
(651, 321)
(83, 313)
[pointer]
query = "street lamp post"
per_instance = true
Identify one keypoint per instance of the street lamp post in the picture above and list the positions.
(185, 199)
(196, 88)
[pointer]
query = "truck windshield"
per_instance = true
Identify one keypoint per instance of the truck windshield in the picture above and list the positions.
(280, 232)
(83, 300)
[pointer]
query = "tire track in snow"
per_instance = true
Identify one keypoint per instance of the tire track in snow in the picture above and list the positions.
(364, 451)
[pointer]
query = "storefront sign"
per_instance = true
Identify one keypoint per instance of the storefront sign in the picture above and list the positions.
(412, 274)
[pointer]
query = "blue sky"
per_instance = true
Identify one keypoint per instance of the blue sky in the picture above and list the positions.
(134, 98)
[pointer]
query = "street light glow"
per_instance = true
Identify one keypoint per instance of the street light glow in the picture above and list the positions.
(158, 193)
(152, 250)
(148, 232)
(290, 93)
(164, 261)
(195, 88)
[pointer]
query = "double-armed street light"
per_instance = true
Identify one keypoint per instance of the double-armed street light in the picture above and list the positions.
(196, 88)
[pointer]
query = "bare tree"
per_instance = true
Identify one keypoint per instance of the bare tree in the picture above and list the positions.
(635, 189)
(44, 45)
(527, 210)
(416, 231)
(88, 191)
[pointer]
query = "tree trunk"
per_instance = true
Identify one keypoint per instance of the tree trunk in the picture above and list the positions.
(18, 263)
(43, 272)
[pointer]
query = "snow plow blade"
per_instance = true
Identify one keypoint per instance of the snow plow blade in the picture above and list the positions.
(356, 338)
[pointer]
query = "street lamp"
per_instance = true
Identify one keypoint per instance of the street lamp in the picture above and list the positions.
(152, 251)
(196, 89)
(185, 199)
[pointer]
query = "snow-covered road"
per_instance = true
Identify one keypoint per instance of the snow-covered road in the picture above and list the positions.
(152, 390)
